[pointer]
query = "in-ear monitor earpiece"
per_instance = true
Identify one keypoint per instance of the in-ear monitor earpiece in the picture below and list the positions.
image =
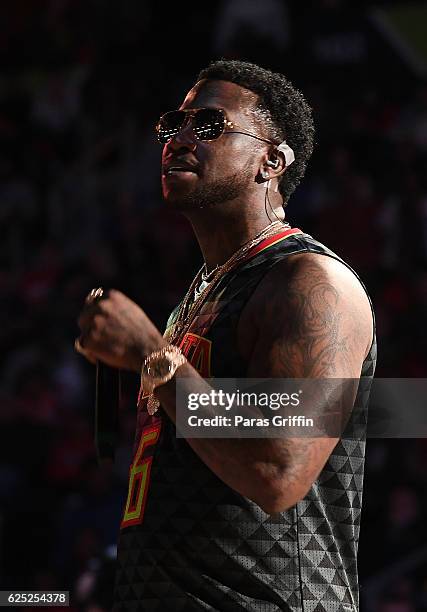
(273, 163)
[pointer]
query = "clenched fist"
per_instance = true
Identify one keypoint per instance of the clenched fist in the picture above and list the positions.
(117, 331)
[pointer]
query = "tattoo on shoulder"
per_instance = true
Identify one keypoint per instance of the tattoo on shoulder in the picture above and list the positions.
(315, 341)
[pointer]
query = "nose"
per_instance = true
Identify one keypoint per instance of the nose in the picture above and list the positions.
(183, 140)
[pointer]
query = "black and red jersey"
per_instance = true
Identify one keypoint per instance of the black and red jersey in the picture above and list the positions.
(190, 542)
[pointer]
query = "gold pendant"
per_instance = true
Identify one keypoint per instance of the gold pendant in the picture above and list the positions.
(152, 405)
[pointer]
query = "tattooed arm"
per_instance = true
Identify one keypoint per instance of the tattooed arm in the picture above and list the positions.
(312, 319)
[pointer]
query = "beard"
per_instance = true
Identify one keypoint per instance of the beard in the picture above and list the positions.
(215, 192)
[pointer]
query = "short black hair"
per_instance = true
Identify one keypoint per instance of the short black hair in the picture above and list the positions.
(290, 113)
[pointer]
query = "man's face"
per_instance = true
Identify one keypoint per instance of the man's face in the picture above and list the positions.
(224, 169)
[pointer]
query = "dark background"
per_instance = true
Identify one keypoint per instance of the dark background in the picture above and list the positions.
(82, 83)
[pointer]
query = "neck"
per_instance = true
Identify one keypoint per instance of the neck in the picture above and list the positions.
(221, 235)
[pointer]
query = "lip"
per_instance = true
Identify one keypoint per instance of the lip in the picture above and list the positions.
(182, 176)
(176, 167)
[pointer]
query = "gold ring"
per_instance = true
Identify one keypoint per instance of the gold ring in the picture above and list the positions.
(95, 295)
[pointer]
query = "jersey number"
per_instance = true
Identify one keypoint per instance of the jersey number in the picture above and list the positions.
(139, 477)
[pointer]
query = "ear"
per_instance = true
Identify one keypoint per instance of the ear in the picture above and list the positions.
(273, 164)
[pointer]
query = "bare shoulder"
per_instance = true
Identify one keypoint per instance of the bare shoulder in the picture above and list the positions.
(309, 316)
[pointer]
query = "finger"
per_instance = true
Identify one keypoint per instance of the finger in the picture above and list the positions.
(93, 299)
(89, 316)
(78, 346)
(85, 320)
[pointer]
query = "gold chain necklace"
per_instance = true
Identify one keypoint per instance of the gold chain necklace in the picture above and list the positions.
(188, 311)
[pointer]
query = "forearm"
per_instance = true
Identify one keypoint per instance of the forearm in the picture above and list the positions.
(249, 466)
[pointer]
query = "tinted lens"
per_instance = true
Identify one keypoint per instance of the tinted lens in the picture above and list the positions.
(169, 125)
(208, 123)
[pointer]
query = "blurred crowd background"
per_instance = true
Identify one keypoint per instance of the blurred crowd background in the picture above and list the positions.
(82, 83)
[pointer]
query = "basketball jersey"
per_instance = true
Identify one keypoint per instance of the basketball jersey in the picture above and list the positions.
(189, 542)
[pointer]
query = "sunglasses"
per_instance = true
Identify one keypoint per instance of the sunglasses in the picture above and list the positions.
(206, 123)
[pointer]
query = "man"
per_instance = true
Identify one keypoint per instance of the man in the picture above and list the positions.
(234, 524)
